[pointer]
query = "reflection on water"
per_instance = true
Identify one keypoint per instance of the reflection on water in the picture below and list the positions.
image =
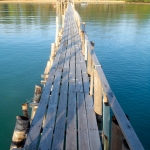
(121, 34)
(26, 13)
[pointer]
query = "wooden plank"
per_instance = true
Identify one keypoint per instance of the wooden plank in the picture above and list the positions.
(86, 83)
(46, 138)
(72, 69)
(71, 133)
(85, 77)
(94, 138)
(64, 46)
(83, 139)
(83, 62)
(59, 134)
(65, 79)
(79, 86)
(57, 80)
(65, 76)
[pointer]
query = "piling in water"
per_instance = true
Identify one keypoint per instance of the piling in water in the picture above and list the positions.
(25, 110)
(36, 99)
(37, 94)
(20, 131)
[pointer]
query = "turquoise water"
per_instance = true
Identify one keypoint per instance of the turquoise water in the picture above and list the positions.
(121, 34)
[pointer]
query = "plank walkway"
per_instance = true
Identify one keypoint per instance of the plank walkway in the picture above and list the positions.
(65, 105)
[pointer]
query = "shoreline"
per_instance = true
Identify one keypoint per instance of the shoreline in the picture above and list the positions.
(76, 2)
(54, 1)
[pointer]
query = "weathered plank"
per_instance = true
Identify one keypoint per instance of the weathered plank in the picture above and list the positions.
(59, 134)
(46, 138)
(92, 124)
(83, 139)
(71, 133)
(72, 68)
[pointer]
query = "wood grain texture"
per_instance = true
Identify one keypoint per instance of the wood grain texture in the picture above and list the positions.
(94, 139)
(71, 133)
(83, 137)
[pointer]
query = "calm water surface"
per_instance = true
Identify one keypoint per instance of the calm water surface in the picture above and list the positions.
(121, 34)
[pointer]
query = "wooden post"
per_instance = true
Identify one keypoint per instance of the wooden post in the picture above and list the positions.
(63, 21)
(79, 24)
(19, 135)
(57, 23)
(60, 7)
(125, 145)
(59, 14)
(37, 93)
(83, 38)
(89, 61)
(86, 50)
(57, 28)
(64, 7)
(92, 82)
(89, 58)
(47, 68)
(52, 54)
(25, 110)
(117, 136)
(106, 122)
(36, 99)
(97, 94)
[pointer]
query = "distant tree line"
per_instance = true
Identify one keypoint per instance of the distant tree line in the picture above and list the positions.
(138, 1)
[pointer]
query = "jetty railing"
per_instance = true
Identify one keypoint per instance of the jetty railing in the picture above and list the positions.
(104, 99)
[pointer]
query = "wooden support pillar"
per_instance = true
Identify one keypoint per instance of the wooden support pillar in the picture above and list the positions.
(64, 7)
(37, 94)
(92, 82)
(83, 38)
(89, 60)
(73, 3)
(79, 24)
(57, 23)
(53, 51)
(47, 68)
(20, 131)
(63, 19)
(59, 15)
(60, 7)
(36, 99)
(25, 110)
(57, 28)
(106, 122)
(86, 50)
(97, 94)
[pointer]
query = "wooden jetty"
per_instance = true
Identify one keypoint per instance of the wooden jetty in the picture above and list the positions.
(72, 112)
